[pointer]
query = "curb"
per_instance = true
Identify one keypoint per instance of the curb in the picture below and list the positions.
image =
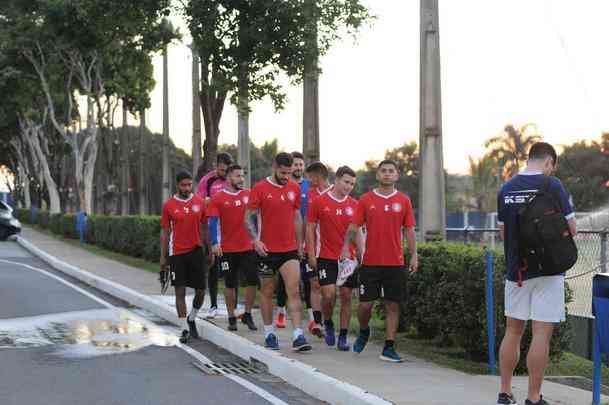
(302, 376)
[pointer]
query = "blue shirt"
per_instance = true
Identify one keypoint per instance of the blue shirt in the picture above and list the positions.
(513, 196)
(304, 199)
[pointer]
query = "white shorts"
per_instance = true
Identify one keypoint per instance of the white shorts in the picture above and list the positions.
(539, 299)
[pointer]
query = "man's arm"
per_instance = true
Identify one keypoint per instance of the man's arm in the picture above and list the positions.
(253, 232)
(572, 226)
(411, 237)
(360, 243)
(298, 227)
(164, 239)
(502, 231)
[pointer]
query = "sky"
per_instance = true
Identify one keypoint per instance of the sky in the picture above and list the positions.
(517, 62)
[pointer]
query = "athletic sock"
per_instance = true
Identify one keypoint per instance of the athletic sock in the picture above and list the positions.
(281, 310)
(343, 332)
(365, 332)
(311, 318)
(328, 323)
(193, 314)
(297, 332)
(389, 343)
(184, 323)
(268, 329)
(317, 317)
(232, 320)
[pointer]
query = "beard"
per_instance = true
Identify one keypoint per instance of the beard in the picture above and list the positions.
(184, 194)
(283, 182)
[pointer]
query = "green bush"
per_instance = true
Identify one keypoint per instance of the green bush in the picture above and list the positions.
(55, 223)
(136, 236)
(67, 226)
(446, 301)
(23, 215)
(43, 219)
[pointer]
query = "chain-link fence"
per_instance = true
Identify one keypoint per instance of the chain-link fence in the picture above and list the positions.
(592, 246)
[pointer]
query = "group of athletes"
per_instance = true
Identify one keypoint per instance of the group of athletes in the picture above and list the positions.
(290, 236)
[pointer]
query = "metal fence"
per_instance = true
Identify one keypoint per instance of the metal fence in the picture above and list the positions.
(592, 246)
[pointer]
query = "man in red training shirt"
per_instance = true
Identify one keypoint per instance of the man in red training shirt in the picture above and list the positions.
(385, 213)
(328, 219)
(232, 245)
(278, 242)
(183, 233)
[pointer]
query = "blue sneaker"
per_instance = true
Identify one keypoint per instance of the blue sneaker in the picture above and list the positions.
(343, 345)
(300, 344)
(271, 342)
(390, 355)
(330, 335)
(360, 343)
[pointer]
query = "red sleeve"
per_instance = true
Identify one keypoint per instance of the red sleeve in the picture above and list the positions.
(360, 213)
(313, 212)
(204, 211)
(409, 221)
(212, 209)
(255, 199)
(165, 217)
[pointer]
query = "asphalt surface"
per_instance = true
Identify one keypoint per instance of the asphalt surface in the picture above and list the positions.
(59, 346)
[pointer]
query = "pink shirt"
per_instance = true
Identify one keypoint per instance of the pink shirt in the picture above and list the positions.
(217, 185)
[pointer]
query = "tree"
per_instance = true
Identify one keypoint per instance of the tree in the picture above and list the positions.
(583, 167)
(246, 44)
(485, 183)
(512, 146)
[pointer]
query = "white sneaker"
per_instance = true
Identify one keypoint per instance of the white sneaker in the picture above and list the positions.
(211, 314)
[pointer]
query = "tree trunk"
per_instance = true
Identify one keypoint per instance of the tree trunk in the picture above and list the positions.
(310, 130)
(124, 145)
(196, 113)
(165, 185)
(141, 181)
(24, 179)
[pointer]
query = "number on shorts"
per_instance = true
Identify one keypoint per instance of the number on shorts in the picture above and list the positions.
(322, 274)
(225, 266)
(362, 289)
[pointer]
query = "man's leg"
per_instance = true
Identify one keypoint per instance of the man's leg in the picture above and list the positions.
(345, 308)
(392, 315)
(316, 300)
(181, 301)
(281, 303)
(537, 359)
(213, 290)
(291, 276)
(266, 300)
(328, 295)
(249, 272)
(509, 352)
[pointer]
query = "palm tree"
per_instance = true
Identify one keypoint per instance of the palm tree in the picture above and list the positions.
(484, 182)
(511, 147)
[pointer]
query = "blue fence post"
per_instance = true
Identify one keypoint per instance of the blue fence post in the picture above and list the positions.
(33, 214)
(490, 313)
(600, 310)
(81, 225)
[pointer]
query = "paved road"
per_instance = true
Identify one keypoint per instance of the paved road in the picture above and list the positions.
(70, 344)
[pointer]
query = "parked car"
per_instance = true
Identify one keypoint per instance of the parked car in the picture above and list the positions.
(9, 225)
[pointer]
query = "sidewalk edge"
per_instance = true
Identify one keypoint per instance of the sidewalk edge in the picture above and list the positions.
(302, 376)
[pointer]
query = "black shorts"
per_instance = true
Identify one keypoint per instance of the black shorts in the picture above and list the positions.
(306, 272)
(239, 265)
(269, 266)
(327, 272)
(386, 282)
(188, 269)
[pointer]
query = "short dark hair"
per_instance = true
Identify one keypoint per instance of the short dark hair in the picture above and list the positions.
(542, 150)
(319, 168)
(232, 168)
(224, 158)
(284, 159)
(345, 170)
(297, 155)
(387, 162)
(182, 175)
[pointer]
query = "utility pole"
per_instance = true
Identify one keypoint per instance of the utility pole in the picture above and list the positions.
(244, 125)
(432, 203)
(141, 182)
(165, 185)
(196, 112)
(124, 146)
(310, 132)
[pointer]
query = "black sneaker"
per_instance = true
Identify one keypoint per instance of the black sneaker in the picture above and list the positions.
(232, 324)
(185, 338)
(506, 399)
(540, 402)
(247, 319)
(192, 329)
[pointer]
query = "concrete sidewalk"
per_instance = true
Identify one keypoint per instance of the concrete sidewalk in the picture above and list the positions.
(412, 382)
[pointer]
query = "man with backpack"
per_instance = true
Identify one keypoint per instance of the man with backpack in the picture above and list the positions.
(537, 225)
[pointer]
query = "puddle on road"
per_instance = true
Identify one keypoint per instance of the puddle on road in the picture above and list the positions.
(84, 333)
